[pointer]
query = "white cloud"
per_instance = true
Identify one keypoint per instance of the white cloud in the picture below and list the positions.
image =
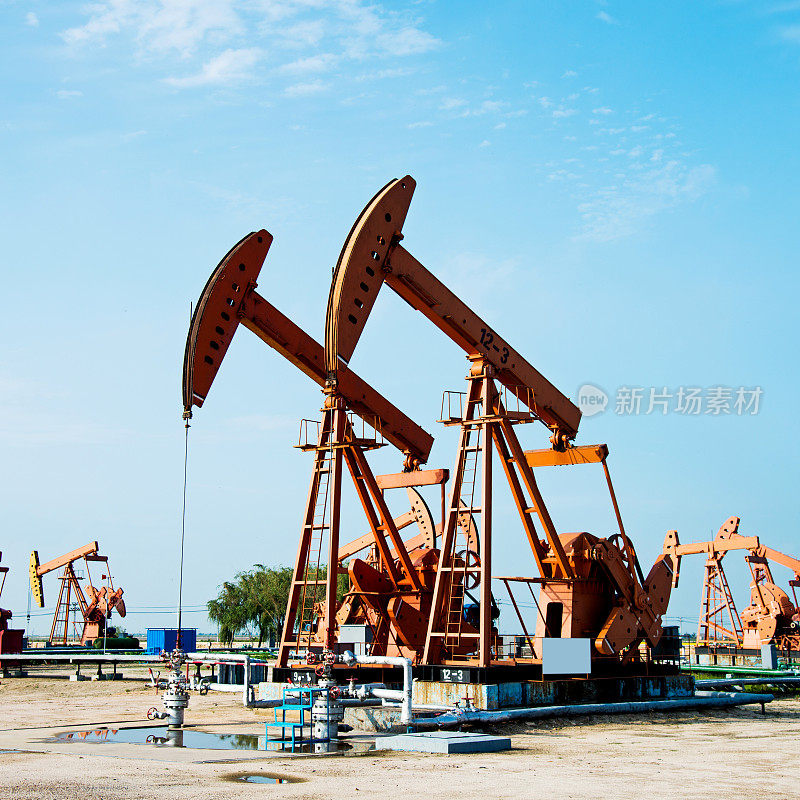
(230, 66)
(302, 34)
(500, 126)
(486, 107)
(104, 20)
(407, 42)
(618, 177)
(485, 143)
(321, 62)
(381, 74)
(32, 20)
(421, 124)
(450, 103)
(161, 26)
(570, 73)
(305, 89)
(791, 33)
(618, 209)
(353, 31)
(607, 18)
(66, 94)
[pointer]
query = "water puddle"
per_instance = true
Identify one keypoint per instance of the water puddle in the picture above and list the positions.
(161, 736)
(266, 778)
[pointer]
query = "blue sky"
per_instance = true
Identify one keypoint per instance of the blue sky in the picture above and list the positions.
(612, 185)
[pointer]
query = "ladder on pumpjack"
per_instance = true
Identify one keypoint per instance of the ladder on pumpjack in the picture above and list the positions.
(313, 586)
(462, 564)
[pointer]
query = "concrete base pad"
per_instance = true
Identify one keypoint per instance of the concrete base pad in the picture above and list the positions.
(444, 742)
(555, 691)
(79, 677)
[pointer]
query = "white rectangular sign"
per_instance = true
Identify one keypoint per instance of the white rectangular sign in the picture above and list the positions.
(566, 656)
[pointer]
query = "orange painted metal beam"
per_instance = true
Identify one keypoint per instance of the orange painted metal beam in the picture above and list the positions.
(67, 558)
(428, 295)
(350, 549)
(717, 547)
(229, 298)
(780, 558)
(372, 255)
(403, 480)
(583, 454)
(360, 270)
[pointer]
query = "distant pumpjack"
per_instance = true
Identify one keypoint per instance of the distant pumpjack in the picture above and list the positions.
(95, 605)
(771, 617)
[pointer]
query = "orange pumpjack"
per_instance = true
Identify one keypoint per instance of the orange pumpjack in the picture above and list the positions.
(381, 598)
(95, 609)
(771, 617)
(594, 584)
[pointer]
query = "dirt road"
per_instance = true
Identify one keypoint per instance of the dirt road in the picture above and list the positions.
(736, 755)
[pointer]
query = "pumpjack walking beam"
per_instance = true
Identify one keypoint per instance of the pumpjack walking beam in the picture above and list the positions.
(716, 599)
(228, 299)
(373, 255)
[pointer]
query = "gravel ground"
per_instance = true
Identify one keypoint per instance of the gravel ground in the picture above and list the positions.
(736, 754)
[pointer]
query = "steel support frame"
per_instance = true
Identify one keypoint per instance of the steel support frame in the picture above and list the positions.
(497, 432)
(298, 585)
(336, 438)
(69, 585)
(715, 599)
(485, 642)
(444, 576)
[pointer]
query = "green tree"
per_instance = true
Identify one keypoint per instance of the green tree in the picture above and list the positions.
(267, 592)
(229, 610)
(255, 601)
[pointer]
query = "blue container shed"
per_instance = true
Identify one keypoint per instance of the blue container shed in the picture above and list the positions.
(159, 639)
